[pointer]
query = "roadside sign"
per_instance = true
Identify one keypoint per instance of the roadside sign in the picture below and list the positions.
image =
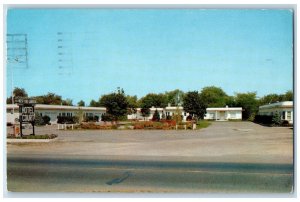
(16, 130)
(26, 112)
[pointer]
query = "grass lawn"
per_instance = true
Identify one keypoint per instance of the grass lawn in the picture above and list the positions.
(203, 124)
(46, 136)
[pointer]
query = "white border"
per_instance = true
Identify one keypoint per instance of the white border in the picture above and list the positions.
(146, 3)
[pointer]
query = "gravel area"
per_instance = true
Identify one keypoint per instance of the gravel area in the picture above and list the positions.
(220, 142)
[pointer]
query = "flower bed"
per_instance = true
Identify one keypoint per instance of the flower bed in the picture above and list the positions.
(162, 125)
(93, 126)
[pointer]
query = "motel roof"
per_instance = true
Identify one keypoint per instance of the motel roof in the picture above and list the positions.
(59, 107)
(288, 104)
(224, 109)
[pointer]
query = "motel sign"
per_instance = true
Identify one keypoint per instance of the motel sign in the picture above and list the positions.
(27, 114)
(26, 111)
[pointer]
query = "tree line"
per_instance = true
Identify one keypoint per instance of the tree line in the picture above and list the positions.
(118, 104)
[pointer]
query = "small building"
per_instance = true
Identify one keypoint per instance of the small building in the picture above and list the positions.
(284, 109)
(53, 111)
(167, 111)
(223, 113)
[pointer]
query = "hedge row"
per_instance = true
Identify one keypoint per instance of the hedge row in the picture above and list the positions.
(264, 119)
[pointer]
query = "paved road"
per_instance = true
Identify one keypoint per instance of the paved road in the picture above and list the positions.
(71, 174)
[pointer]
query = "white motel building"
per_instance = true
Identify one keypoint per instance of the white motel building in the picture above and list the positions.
(223, 113)
(53, 111)
(285, 110)
(218, 113)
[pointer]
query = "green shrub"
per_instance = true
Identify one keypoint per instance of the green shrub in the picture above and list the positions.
(38, 120)
(156, 116)
(276, 120)
(106, 117)
(46, 119)
(66, 119)
(285, 123)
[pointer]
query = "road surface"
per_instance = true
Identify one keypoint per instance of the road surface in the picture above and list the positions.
(70, 174)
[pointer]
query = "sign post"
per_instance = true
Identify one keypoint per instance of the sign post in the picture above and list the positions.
(26, 111)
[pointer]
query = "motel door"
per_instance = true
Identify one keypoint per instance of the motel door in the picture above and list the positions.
(222, 115)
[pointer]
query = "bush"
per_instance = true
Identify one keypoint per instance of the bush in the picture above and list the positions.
(38, 120)
(93, 126)
(91, 118)
(263, 119)
(189, 118)
(46, 119)
(66, 119)
(276, 119)
(163, 116)
(106, 117)
(285, 123)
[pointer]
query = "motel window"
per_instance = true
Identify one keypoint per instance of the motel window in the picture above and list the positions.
(283, 115)
(288, 115)
(233, 115)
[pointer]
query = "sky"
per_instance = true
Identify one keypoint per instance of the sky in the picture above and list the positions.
(82, 54)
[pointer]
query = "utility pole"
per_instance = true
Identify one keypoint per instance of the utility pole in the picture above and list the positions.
(17, 57)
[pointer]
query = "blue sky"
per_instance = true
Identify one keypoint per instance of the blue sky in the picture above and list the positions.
(146, 50)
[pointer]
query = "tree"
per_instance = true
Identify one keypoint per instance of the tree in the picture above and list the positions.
(145, 111)
(193, 104)
(152, 100)
(213, 96)
(156, 116)
(289, 96)
(269, 99)
(94, 103)
(177, 116)
(174, 97)
(81, 103)
(17, 93)
(249, 104)
(132, 104)
(79, 115)
(273, 98)
(49, 99)
(67, 102)
(230, 101)
(276, 120)
(116, 104)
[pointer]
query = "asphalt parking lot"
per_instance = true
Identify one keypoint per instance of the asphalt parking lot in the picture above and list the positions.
(220, 142)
